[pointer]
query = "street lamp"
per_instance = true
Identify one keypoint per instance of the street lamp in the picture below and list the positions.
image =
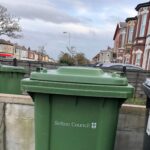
(68, 37)
(71, 49)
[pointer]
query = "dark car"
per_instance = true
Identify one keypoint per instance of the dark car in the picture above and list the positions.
(120, 67)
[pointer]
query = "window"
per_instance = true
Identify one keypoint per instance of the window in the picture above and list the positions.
(143, 23)
(138, 59)
(148, 63)
(1, 48)
(127, 59)
(122, 41)
(132, 68)
(130, 34)
(137, 27)
(122, 38)
(145, 58)
(116, 67)
(133, 56)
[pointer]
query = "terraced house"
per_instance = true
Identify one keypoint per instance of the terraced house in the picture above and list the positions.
(119, 41)
(6, 49)
(136, 37)
(10, 50)
(141, 33)
(129, 41)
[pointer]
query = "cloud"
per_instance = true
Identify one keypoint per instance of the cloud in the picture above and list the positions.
(86, 39)
(90, 23)
(55, 43)
(52, 28)
(46, 12)
(129, 12)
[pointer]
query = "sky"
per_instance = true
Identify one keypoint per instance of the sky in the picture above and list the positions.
(90, 23)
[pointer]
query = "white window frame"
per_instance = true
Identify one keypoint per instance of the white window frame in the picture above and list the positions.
(148, 63)
(130, 34)
(143, 24)
(127, 58)
(145, 58)
(138, 57)
(137, 26)
(122, 40)
(133, 56)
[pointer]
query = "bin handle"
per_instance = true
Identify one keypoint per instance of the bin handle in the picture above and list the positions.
(41, 69)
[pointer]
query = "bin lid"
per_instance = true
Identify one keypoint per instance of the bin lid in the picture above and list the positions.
(6, 68)
(83, 81)
(79, 75)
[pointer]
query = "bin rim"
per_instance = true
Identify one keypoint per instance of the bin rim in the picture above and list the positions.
(7, 68)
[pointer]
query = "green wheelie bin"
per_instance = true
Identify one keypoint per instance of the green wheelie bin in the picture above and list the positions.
(76, 108)
(10, 78)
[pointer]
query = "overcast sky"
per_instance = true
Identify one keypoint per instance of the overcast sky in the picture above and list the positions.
(91, 23)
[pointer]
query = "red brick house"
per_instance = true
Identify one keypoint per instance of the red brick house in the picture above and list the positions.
(143, 17)
(130, 36)
(119, 41)
(146, 55)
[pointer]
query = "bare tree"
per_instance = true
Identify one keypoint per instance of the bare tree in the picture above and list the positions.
(72, 50)
(9, 25)
(42, 50)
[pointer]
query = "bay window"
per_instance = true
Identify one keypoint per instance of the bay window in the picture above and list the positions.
(143, 24)
(122, 40)
(130, 34)
(138, 57)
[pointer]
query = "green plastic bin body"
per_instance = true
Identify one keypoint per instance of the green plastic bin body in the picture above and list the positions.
(10, 78)
(76, 108)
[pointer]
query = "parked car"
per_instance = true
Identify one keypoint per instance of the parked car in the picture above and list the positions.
(120, 67)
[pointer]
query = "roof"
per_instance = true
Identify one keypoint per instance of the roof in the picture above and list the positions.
(20, 47)
(105, 51)
(5, 42)
(97, 55)
(142, 5)
(122, 25)
(131, 18)
(119, 26)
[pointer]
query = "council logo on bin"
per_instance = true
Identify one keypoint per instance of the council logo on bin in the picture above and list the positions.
(93, 125)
